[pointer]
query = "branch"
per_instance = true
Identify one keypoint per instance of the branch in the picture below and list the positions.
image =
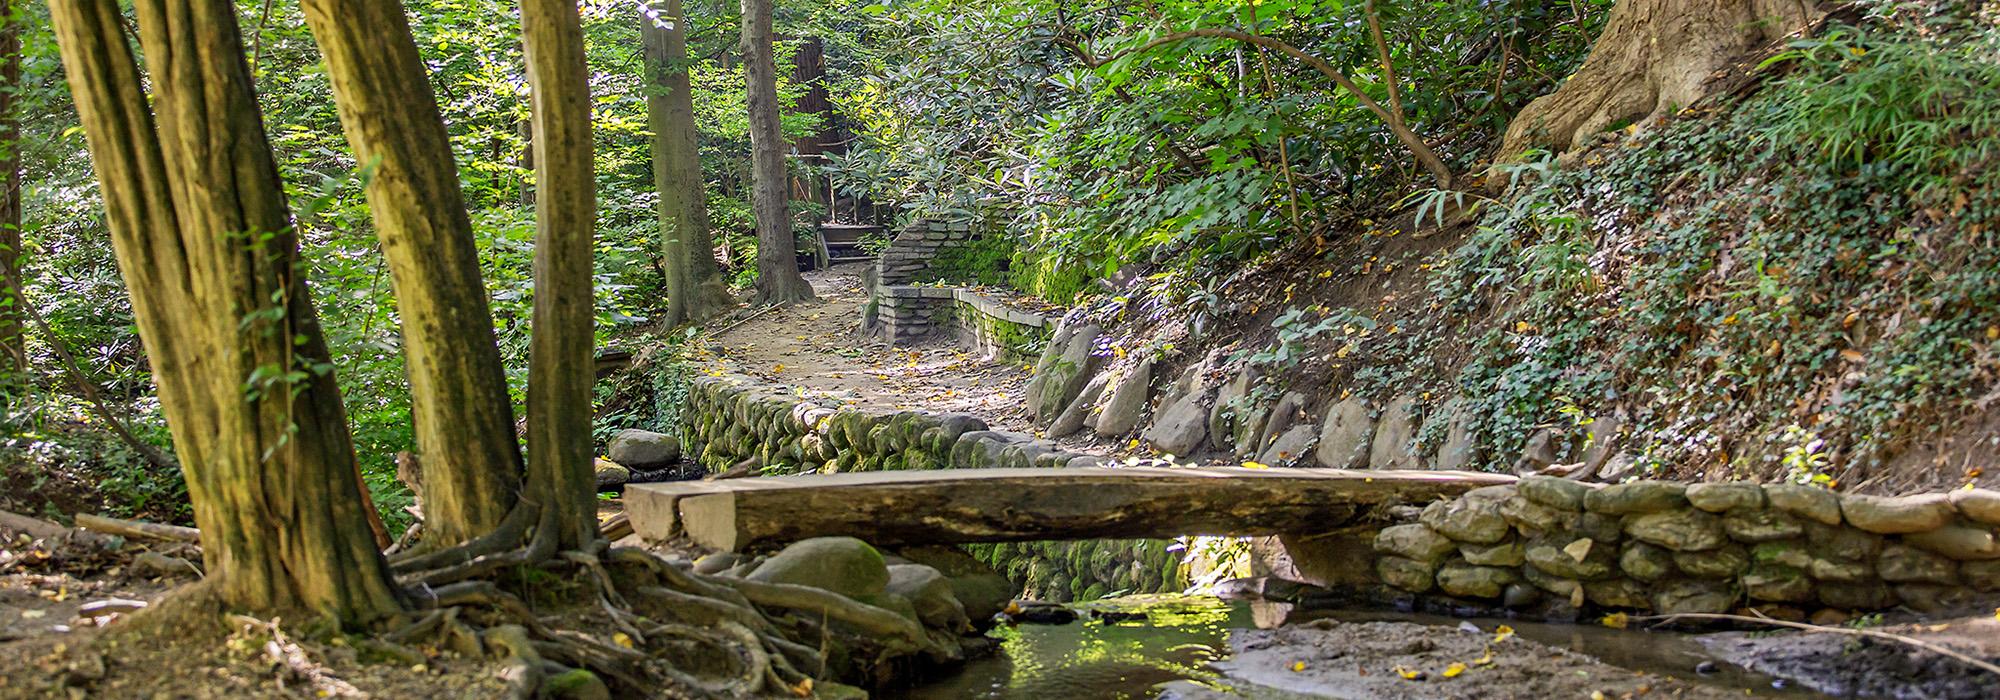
(1388, 66)
(131, 529)
(1424, 154)
(1912, 641)
(88, 390)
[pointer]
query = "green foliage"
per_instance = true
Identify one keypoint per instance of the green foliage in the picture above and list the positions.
(982, 260)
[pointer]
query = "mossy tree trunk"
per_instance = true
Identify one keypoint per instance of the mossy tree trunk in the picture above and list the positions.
(1654, 57)
(560, 368)
(460, 408)
(203, 239)
(695, 290)
(778, 280)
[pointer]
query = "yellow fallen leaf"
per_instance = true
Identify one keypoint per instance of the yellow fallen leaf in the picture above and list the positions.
(804, 689)
(1502, 633)
(1256, 465)
(1598, 695)
(1408, 674)
(1454, 669)
(1298, 666)
(1485, 659)
(622, 639)
(1616, 621)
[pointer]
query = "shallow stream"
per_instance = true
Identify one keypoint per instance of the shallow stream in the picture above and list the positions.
(1175, 638)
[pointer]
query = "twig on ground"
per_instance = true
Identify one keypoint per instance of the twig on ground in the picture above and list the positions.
(137, 528)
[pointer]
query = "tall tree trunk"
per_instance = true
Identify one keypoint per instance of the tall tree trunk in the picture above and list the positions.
(203, 238)
(695, 290)
(778, 280)
(1653, 58)
(463, 417)
(13, 334)
(560, 368)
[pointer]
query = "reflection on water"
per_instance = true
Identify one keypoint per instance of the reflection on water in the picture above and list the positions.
(1173, 638)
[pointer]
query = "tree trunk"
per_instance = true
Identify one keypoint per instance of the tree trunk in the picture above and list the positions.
(560, 367)
(778, 280)
(202, 235)
(1653, 58)
(13, 334)
(463, 417)
(695, 291)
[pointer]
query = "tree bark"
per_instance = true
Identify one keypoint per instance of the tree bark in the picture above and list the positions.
(202, 235)
(778, 280)
(13, 333)
(1653, 58)
(561, 369)
(460, 408)
(695, 290)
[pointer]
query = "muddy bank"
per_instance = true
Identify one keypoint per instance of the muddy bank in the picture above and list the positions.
(1845, 665)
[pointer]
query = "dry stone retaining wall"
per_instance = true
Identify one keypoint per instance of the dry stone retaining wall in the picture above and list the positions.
(913, 248)
(907, 313)
(1668, 547)
(731, 418)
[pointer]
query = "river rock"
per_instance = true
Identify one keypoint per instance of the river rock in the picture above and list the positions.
(1608, 529)
(1125, 405)
(1810, 502)
(931, 595)
(1539, 452)
(1602, 442)
(1725, 562)
(1470, 581)
(842, 565)
(1182, 427)
(1761, 525)
(1414, 541)
(1982, 576)
(1683, 529)
(1619, 593)
(1390, 447)
(1509, 553)
(1777, 583)
(1646, 562)
(1476, 521)
(1581, 558)
(1563, 588)
(1530, 516)
(1842, 542)
(1407, 574)
(1960, 542)
(611, 474)
(1790, 553)
(1554, 492)
(1981, 505)
(1860, 595)
(1345, 435)
(1725, 496)
(1637, 497)
(1291, 446)
(1904, 564)
(644, 450)
(1232, 406)
(1933, 599)
(1826, 569)
(1895, 515)
(1288, 412)
(1690, 596)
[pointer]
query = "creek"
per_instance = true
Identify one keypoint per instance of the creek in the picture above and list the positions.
(1172, 638)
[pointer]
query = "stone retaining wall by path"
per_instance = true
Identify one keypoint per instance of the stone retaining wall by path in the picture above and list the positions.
(914, 247)
(730, 418)
(978, 321)
(1665, 547)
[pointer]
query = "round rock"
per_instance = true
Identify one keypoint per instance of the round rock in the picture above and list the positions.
(842, 565)
(644, 450)
(1896, 515)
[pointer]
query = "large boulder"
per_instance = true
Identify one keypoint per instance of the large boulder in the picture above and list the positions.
(1459, 450)
(1390, 448)
(932, 596)
(842, 565)
(1345, 435)
(644, 450)
(1182, 427)
(1290, 447)
(1062, 371)
(1125, 404)
(1076, 416)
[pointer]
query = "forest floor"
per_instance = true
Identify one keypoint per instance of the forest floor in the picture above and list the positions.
(818, 346)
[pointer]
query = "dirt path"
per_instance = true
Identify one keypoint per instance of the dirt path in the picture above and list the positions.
(818, 347)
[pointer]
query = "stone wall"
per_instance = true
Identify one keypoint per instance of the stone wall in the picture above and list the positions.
(731, 419)
(906, 314)
(914, 247)
(1555, 544)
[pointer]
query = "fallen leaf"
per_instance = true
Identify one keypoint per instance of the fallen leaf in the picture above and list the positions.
(1454, 669)
(1255, 465)
(1408, 674)
(622, 639)
(1502, 633)
(1485, 659)
(1298, 666)
(1616, 621)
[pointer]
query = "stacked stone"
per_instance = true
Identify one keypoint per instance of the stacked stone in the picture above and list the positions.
(912, 250)
(907, 314)
(1667, 547)
(730, 418)
(1082, 571)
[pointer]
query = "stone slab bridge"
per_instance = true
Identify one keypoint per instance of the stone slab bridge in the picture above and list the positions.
(952, 506)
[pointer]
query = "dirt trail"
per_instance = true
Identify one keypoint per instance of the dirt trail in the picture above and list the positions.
(818, 347)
